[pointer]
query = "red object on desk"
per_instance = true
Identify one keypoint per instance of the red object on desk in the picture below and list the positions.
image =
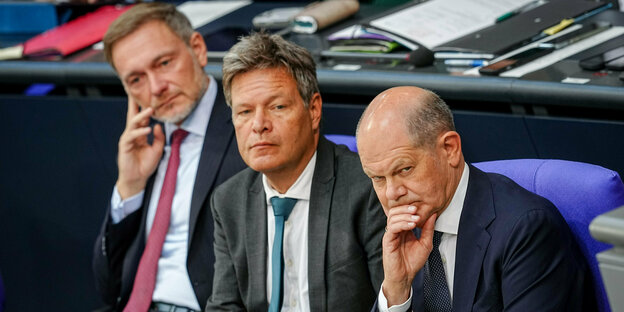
(74, 35)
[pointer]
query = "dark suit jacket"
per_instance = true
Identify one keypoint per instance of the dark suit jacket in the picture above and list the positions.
(119, 247)
(515, 252)
(346, 224)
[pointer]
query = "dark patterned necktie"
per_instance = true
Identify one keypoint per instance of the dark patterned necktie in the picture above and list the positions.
(437, 297)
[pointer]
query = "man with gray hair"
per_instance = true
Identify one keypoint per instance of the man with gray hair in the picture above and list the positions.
(300, 230)
(155, 247)
(459, 239)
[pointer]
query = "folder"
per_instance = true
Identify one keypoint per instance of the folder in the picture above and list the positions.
(74, 35)
(518, 30)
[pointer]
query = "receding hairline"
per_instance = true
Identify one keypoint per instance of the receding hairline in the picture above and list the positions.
(423, 115)
(143, 13)
(406, 96)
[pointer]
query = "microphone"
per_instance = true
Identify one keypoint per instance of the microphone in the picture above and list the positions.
(420, 57)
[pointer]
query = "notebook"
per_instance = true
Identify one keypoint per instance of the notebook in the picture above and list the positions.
(74, 35)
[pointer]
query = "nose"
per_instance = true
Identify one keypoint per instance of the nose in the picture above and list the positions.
(157, 84)
(395, 189)
(260, 122)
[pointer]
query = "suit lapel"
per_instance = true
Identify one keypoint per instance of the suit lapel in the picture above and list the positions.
(320, 206)
(256, 243)
(216, 139)
(472, 239)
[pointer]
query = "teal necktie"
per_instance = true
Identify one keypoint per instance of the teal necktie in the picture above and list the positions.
(281, 209)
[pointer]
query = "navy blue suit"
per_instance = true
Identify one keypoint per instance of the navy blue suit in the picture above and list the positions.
(119, 247)
(514, 252)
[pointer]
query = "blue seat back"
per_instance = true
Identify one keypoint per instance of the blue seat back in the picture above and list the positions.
(343, 139)
(580, 191)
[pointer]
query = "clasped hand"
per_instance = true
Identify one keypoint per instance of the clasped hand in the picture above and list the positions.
(403, 253)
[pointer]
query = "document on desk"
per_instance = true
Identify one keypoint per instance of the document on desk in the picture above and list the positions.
(201, 13)
(564, 53)
(436, 22)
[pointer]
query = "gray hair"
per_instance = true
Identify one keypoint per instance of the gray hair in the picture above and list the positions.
(140, 14)
(261, 51)
(426, 121)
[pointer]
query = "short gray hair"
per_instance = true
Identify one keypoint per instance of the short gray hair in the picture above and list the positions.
(261, 51)
(425, 122)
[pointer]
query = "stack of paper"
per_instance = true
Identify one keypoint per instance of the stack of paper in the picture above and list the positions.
(358, 38)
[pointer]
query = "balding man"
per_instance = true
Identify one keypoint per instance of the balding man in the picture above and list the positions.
(459, 239)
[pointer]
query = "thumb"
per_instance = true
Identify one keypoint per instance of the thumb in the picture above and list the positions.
(426, 235)
(159, 138)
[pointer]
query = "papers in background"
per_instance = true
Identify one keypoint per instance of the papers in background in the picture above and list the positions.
(564, 53)
(366, 39)
(439, 21)
(201, 13)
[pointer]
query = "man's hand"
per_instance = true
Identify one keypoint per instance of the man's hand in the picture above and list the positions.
(137, 160)
(404, 254)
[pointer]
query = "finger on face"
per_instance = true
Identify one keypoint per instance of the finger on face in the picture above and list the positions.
(141, 119)
(133, 108)
(400, 210)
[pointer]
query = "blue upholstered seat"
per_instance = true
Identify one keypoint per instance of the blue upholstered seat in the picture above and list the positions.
(347, 140)
(580, 191)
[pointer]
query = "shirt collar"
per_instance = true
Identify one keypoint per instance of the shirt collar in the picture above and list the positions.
(448, 221)
(299, 190)
(197, 122)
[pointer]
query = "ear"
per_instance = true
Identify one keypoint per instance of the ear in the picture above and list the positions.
(198, 46)
(451, 145)
(315, 107)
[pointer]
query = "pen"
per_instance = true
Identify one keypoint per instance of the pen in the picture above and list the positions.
(463, 55)
(569, 21)
(527, 7)
(467, 63)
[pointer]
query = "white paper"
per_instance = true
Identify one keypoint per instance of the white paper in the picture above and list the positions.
(573, 80)
(201, 13)
(347, 67)
(436, 22)
(564, 53)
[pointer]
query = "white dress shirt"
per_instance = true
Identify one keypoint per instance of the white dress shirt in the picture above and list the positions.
(448, 224)
(173, 284)
(295, 245)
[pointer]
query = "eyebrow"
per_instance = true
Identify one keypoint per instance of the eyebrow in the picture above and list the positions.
(152, 62)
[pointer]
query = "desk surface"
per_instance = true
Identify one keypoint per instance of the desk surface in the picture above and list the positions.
(540, 88)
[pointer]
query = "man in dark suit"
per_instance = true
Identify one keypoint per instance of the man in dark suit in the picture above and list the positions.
(155, 247)
(459, 239)
(324, 255)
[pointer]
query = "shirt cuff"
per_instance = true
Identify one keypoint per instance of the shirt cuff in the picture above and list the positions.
(382, 303)
(121, 208)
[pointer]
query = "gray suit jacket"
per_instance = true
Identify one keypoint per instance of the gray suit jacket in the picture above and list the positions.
(346, 225)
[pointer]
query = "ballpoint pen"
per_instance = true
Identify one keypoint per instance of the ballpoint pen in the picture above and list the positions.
(569, 21)
(465, 62)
